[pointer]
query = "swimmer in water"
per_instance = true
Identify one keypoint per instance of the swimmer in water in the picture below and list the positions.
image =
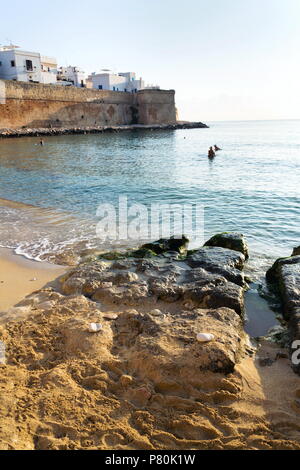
(41, 142)
(211, 153)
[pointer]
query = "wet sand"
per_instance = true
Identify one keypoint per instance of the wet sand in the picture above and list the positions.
(20, 276)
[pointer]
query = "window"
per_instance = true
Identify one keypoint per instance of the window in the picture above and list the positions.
(125, 89)
(100, 87)
(0, 63)
(12, 63)
(114, 88)
(29, 67)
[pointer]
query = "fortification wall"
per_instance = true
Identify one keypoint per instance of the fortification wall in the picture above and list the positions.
(35, 105)
(156, 107)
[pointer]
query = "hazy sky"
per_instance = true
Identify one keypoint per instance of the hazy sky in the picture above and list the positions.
(226, 59)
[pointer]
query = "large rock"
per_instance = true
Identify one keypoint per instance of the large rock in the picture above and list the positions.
(216, 259)
(231, 240)
(285, 276)
(296, 251)
(168, 244)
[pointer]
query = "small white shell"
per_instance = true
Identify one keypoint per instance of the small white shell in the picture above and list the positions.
(95, 327)
(205, 337)
(110, 316)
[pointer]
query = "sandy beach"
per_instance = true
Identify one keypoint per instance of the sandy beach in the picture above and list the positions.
(19, 277)
(142, 382)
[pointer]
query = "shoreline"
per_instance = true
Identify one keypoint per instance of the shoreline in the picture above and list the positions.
(54, 131)
(19, 277)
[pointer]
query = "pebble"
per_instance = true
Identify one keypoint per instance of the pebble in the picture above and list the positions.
(205, 337)
(156, 313)
(95, 327)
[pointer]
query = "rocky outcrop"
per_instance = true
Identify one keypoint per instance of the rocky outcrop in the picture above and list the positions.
(203, 291)
(285, 277)
(230, 240)
(42, 131)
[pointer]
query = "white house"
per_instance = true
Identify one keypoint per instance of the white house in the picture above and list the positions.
(116, 82)
(25, 66)
(71, 76)
(48, 70)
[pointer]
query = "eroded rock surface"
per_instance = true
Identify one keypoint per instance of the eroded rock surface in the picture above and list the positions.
(285, 275)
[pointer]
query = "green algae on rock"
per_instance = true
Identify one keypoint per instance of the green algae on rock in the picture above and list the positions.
(231, 240)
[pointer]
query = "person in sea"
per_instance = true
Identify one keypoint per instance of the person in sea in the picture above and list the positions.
(211, 153)
(217, 148)
(41, 142)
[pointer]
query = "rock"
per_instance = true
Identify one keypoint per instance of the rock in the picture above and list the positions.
(179, 245)
(231, 240)
(285, 273)
(215, 296)
(296, 251)
(285, 276)
(216, 259)
(142, 253)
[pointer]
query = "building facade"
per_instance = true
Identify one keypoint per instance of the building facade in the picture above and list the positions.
(25, 66)
(125, 82)
(71, 76)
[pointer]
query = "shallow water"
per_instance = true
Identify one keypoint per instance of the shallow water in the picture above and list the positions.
(252, 186)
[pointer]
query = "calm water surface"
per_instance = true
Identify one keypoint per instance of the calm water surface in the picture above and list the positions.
(253, 185)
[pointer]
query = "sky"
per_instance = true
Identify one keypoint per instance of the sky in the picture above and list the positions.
(226, 59)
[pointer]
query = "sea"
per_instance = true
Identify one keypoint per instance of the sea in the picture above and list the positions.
(51, 194)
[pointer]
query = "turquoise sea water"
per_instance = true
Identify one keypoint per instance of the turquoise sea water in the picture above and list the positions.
(252, 186)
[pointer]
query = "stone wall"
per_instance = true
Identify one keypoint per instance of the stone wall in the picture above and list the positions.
(156, 106)
(36, 105)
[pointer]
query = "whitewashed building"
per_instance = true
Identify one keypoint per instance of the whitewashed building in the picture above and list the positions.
(25, 66)
(125, 82)
(71, 76)
(48, 70)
